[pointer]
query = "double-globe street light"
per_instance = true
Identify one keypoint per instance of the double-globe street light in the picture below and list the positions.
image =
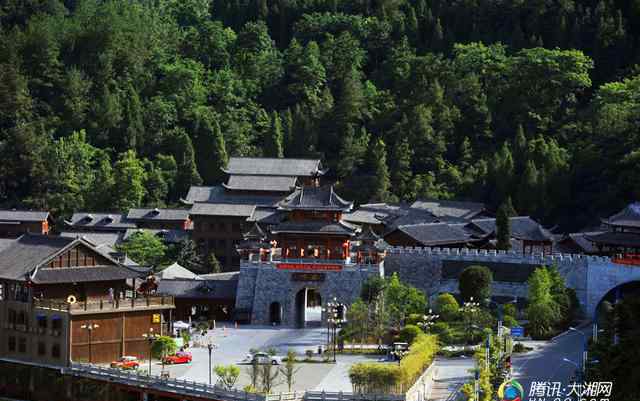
(428, 320)
(151, 337)
(335, 317)
(90, 327)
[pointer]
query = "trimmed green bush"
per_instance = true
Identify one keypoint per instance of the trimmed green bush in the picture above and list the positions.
(509, 321)
(395, 379)
(409, 333)
(447, 307)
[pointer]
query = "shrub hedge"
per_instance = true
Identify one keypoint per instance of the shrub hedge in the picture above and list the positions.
(368, 378)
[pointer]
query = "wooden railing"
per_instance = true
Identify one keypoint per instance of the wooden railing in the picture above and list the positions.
(102, 305)
(627, 259)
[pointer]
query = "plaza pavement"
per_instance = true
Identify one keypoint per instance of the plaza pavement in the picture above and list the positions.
(232, 345)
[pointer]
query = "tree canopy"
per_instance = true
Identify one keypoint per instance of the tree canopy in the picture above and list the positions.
(401, 99)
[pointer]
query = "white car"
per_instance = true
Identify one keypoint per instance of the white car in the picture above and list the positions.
(262, 358)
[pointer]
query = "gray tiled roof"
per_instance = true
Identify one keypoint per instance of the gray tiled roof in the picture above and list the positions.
(261, 183)
(433, 234)
(101, 221)
(627, 217)
(96, 238)
(522, 228)
(450, 208)
(217, 194)
(622, 239)
(221, 209)
(158, 214)
(272, 166)
(266, 215)
(362, 216)
(316, 227)
(29, 252)
(23, 215)
(211, 288)
(315, 198)
(83, 274)
(579, 240)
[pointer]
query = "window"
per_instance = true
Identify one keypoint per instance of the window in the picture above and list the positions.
(1, 292)
(212, 244)
(13, 317)
(22, 345)
(42, 348)
(12, 344)
(22, 318)
(56, 323)
(42, 322)
(55, 351)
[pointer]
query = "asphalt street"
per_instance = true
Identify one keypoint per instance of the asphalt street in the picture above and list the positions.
(450, 375)
(545, 363)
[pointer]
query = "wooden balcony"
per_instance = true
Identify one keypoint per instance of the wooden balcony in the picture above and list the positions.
(632, 259)
(93, 305)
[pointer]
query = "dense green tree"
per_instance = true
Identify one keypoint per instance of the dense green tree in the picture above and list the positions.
(503, 224)
(381, 182)
(353, 152)
(475, 282)
(447, 307)
(129, 177)
(401, 175)
(273, 144)
(144, 248)
(211, 153)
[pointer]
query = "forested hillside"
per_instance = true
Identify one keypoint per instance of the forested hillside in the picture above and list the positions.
(114, 104)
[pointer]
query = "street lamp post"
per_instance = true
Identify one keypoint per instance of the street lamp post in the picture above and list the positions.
(584, 349)
(469, 308)
(210, 347)
(574, 364)
(334, 311)
(89, 327)
(150, 336)
(428, 320)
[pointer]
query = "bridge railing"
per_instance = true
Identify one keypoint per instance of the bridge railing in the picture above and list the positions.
(140, 380)
(137, 379)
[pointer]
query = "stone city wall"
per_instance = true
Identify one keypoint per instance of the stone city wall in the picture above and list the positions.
(262, 284)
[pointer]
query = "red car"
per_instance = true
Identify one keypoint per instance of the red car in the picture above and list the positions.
(126, 362)
(179, 357)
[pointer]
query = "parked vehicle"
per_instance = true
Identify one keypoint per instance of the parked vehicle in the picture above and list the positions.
(178, 357)
(126, 362)
(262, 358)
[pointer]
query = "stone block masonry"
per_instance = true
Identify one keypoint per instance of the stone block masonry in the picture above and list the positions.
(262, 284)
(592, 277)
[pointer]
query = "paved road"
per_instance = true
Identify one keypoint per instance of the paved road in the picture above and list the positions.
(451, 373)
(545, 363)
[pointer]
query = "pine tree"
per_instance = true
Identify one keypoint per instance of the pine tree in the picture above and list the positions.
(527, 194)
(437, 39)
(354, 149)
(129, 177)
(402, 176)
(211, 153)
(133, 126)
(287, 127)
(187, 171)
(381, 181)
(348, 108)
(273, 141)
(503, 225)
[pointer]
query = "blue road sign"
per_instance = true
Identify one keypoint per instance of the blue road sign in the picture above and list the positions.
(517, 331)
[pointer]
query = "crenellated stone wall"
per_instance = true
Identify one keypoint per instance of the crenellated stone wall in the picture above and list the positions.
(261, 283)
(592, 277)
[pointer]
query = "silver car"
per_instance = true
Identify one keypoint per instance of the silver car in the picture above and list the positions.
(262, 358)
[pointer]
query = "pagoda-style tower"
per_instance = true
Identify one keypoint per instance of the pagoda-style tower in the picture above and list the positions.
(369, 249)
(255, 246)
(314, 229)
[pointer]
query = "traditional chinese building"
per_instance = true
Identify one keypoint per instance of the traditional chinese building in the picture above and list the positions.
(621, 235)
(311, 257)
(64, 299)
(14, 223)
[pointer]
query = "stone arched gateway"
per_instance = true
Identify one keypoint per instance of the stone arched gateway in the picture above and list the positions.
(603, 277)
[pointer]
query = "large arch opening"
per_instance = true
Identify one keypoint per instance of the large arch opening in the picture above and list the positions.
(275, 313)
(614, 295)
(308, 308)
